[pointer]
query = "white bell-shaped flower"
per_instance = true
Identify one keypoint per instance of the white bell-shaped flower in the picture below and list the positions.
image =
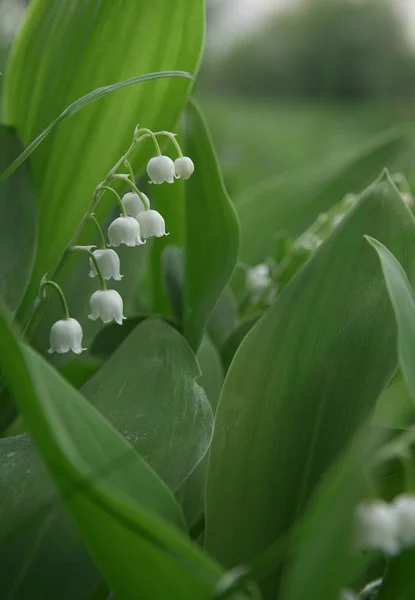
(160, 169)
(108, 262)
(258, 278)
(66, 335)
(377, 527)
(151, 224)
(405, 515)
(347, 595)
(133, 203)
(124, 230)
(106, 305)
(184, 167)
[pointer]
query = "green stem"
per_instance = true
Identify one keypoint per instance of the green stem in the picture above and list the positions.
(95, 263)
(98, 193)
(153, 137)
(172, 137)
(129, 167)
(61, 295)
(140, 194)
(101, 235)
(119, 201)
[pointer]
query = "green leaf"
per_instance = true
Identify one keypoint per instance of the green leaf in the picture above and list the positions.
(402, 298)
(119, 504)
(42, 554)
(395, 408)
(192, 493)
(211, 232)
(224, 318)
(173, 276)
(78, 105)
(399, 581)
(212, 376)
(148, 390)
(325, 559)
(302, 381)
(17, 225)
(43, 79)
(233, 342)
(290, 203)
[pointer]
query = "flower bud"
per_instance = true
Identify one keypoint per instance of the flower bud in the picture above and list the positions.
(258, 278)
(124, 230)
(108, 262)
(160, 169)
(405, 514)
(133, 203)
(183, 167)
(151, 224)
(377, 527)
(106, 305)
(66, 335)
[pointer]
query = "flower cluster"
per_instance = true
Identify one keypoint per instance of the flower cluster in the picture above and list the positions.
(388, 527)
(137, 222)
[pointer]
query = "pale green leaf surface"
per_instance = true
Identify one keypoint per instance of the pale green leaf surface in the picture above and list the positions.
(211, 231)
(67, 49)
(303, 380)
(148, 391)
(403, 301)
(290, 203)
(116, 496)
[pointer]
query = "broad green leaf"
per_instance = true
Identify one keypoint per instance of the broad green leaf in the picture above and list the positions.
(42, 554)
(120, 506)
(192, 493)
(399, 581)
(224, 318)
(325, 558)
(211, 232)
(148, 390)
(290, 203)
(17, 224)
(173, 275)
(9, 168)
(402, 298)
(44, 78)
(212, 376)
(302, 381)
(233, 342)
(395, 408)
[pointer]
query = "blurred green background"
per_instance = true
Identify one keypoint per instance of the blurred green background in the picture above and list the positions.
(288, 83)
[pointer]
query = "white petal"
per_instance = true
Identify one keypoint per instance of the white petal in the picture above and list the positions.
(377, 527)
(184, 167)
(160, 169)
(133, 203)
(405, 512)
(66, 335)
(124, 230)
(151, 224)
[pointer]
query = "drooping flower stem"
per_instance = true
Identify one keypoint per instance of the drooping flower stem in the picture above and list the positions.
(119, 201)
(95, 263)
(135, 189)
(144, 133)
(56, 287)
(172, 137)
(103, 244)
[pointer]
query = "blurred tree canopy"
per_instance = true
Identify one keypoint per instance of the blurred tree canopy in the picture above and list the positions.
(328, 49)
